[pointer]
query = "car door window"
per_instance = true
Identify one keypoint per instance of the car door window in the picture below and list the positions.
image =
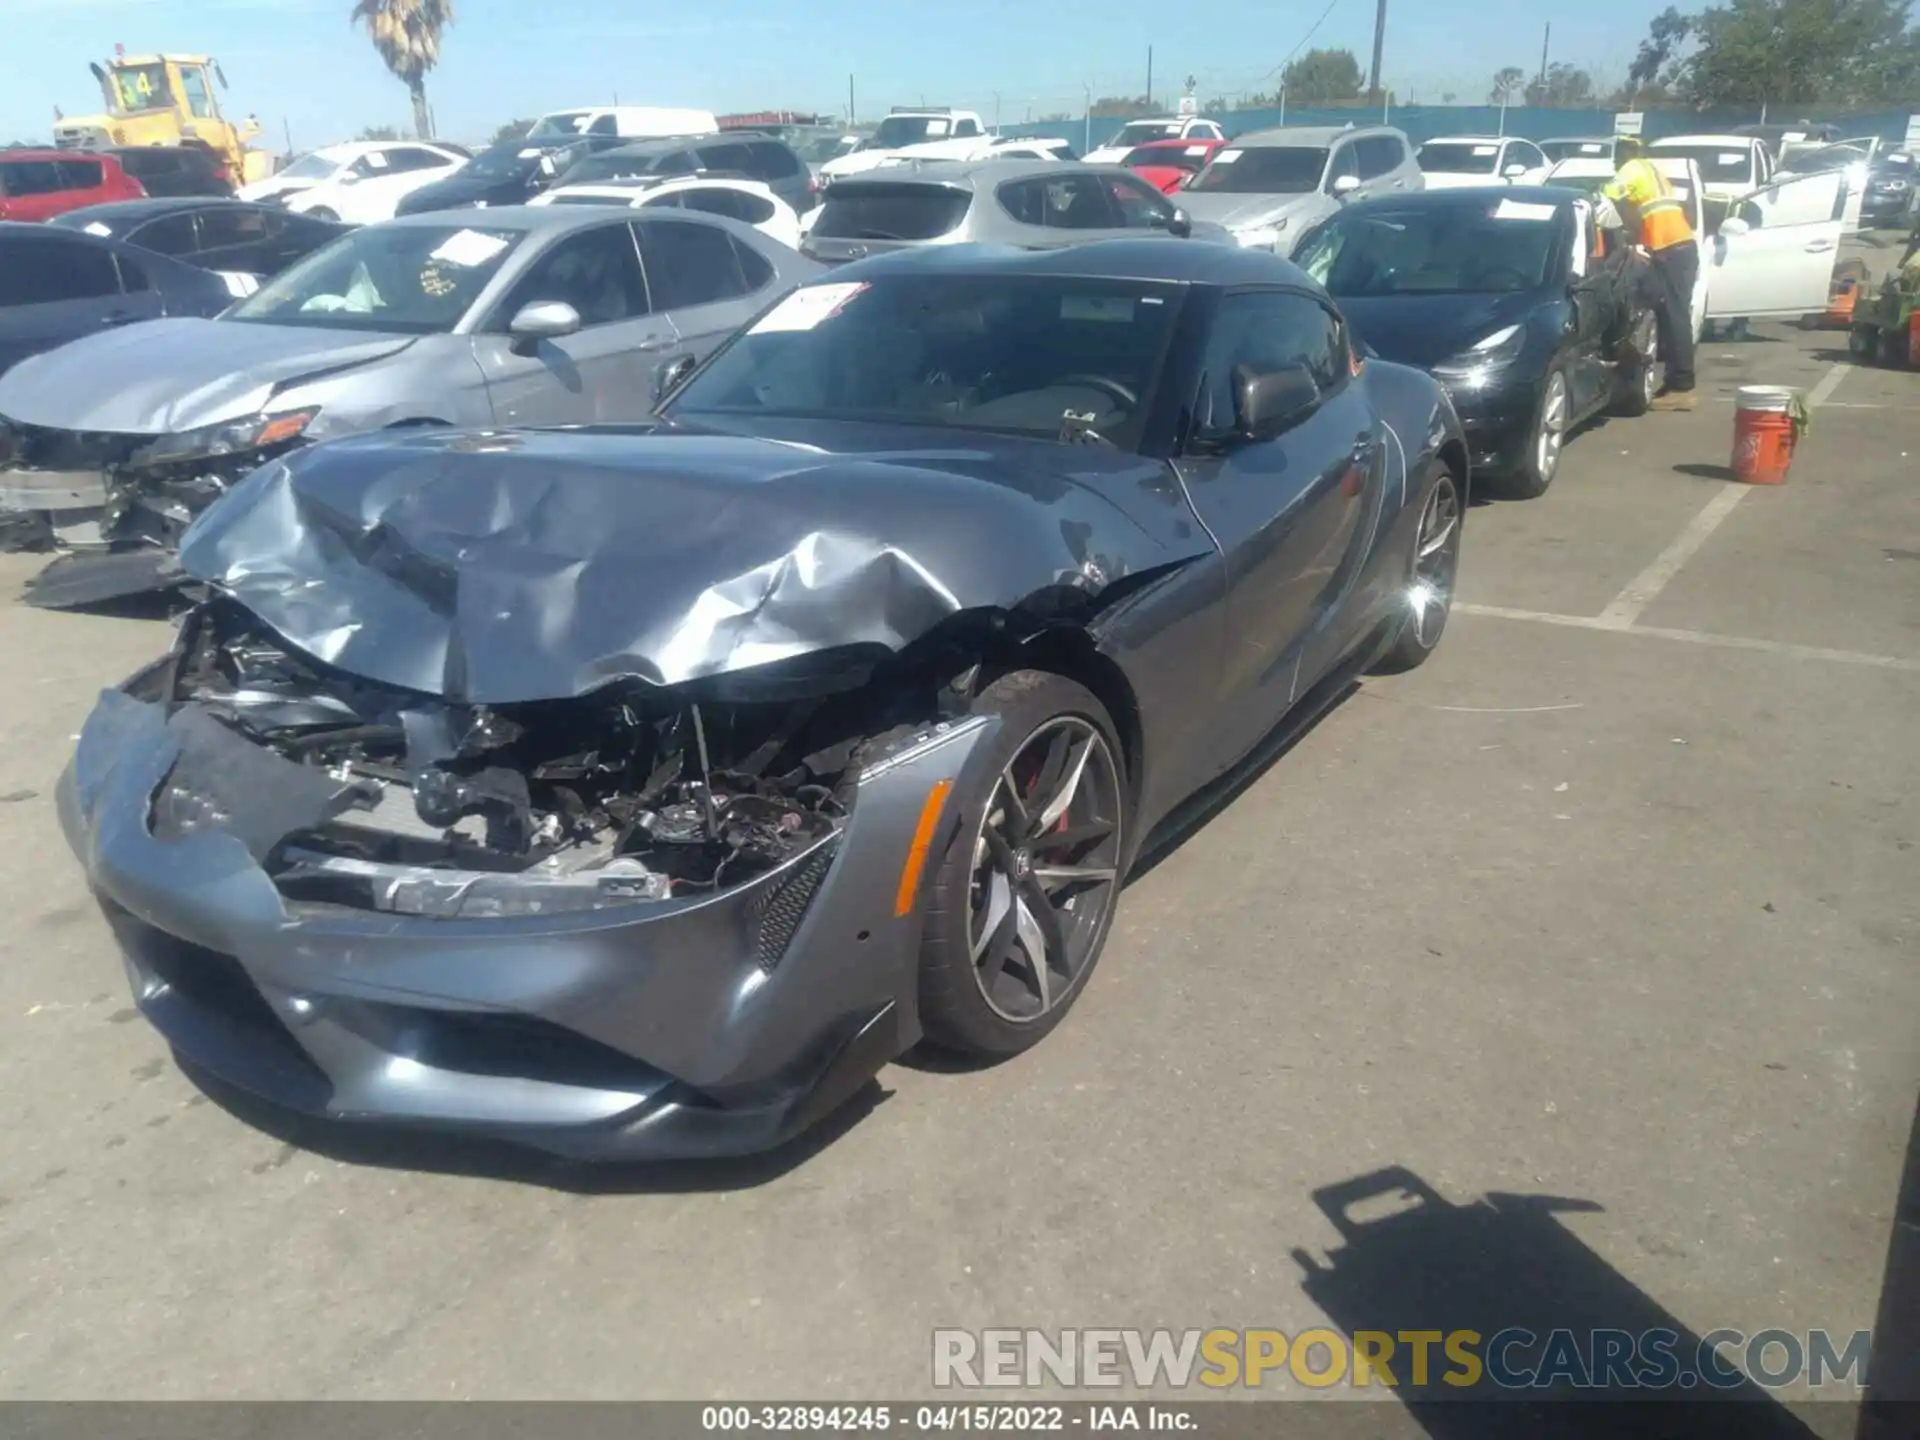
(408, 158)
(80, 174)
(755, 269)
(373, 164)
(734, 204)
(173, 235)
(1345, 162)
(680, 162)
(689, 263)
(1141, 206)
(1522, 152)
(1378, 155)
(595, 271)
(604, 125)
(770, 160)
(724, 157)
(1262, 332)
(43, 269)
(29, 177)
(133, 275)
(1067, 202)
(965, 128)
(224, 229)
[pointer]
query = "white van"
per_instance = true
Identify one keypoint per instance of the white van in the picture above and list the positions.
(630, 122)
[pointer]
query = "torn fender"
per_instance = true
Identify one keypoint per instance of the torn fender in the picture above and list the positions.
(497, 568)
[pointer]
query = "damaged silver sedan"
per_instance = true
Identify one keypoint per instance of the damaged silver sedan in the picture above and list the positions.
(642, 791)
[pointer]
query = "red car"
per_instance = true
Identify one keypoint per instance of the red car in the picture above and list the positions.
(40, 184)
(1170, 163)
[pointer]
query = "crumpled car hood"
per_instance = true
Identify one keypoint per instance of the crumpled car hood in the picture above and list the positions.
(165, 376)
(496, 568)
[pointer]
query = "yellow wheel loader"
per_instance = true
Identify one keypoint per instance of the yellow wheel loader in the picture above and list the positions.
(165, 100)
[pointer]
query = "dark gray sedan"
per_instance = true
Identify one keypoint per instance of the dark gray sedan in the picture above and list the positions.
(502, 317)
(1035, 204)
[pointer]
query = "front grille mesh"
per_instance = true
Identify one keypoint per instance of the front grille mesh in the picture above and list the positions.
(783, 908)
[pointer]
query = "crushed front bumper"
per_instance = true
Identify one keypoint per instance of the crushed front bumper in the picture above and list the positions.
(690, 1027)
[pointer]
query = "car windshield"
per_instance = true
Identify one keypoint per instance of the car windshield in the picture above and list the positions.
(818, 149)
(1719, 164)
(1485, 247)
(1581, 149)
(1016, 354)
(560, 124)
(1584, 184)
(875, 210)
(512, 161)
(1263, 170)
(898, 130)
(1139, 132)
(609, 165)
(1459, 157)
(419, 279)
(311, 167)
(1190, 158)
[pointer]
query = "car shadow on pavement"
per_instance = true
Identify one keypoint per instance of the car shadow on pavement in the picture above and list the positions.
(398, 1148)
(1410, 1261)
(1892, 1408)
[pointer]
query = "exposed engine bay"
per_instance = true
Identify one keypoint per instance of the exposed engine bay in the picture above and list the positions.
(367, 796)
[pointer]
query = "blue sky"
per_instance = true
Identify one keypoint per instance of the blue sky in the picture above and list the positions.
(298, 65)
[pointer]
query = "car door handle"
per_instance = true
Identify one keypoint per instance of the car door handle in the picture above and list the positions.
(118, 317)
(1818, 247)
(656, 342)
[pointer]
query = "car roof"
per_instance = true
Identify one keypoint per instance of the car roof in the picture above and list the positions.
(47, 153)
(1173, 262)
(1579, 140)
(533, 219)
(1176, 144)
(1314, 136)
(130, 212)
(988, 170)
(667, 144)
(1468, 139)
(1465, 195)
(1739, 142)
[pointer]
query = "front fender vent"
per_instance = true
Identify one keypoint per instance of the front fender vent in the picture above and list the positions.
(785, 905)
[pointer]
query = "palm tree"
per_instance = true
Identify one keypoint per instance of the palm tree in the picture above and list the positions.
(1506, 85)
(407, 35)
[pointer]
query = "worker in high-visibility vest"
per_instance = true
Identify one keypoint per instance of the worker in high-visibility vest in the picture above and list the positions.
(1657, 222)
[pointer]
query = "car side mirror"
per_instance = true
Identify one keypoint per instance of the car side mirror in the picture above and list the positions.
(1180, 223)
(542, 320)
(1268, 402)
(668, 376)
(1345, 185)
(348, 177)
(1514, 171)
(1734, 225)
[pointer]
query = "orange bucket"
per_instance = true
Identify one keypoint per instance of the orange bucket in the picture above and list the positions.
(1840, 304)
(1767, 421)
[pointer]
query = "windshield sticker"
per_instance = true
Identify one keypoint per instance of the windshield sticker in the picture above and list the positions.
(1108, 309)
(1227, 157)
(805, 309)
(468, 248)
(1485, 150)
(938, 127)
(532, 152)
(94, 227)
(376, 160)
(1730, 157)
(1519, 210)
(1196, 149)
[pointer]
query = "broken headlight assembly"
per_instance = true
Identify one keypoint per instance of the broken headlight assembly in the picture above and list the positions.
(233, 437)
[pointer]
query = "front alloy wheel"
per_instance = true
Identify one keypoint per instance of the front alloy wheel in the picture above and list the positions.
(1436, 562)
(1542, 458)
(1045, 868)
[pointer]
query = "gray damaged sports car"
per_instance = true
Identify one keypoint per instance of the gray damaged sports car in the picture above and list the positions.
(642, 791)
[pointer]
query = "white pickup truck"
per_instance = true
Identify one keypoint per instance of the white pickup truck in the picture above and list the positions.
(935, 133)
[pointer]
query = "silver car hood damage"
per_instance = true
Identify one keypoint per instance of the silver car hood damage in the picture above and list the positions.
(497, 568)
(166, 376)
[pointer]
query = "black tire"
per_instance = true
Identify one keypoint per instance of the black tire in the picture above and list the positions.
(1640, 381)
(954, 1010)
(1427, 613)
(1532, 478)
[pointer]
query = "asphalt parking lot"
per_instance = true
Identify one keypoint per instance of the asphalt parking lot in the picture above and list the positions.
(1616, 901)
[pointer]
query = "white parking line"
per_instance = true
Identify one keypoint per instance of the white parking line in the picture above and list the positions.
(1645, 588)
(1693, 637)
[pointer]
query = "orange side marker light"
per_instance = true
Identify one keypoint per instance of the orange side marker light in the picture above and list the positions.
(917, 852)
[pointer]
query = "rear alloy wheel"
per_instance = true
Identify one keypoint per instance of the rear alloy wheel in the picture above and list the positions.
(1432, 570)
(1021, 903)
(1644, 377)
(1542, 460)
